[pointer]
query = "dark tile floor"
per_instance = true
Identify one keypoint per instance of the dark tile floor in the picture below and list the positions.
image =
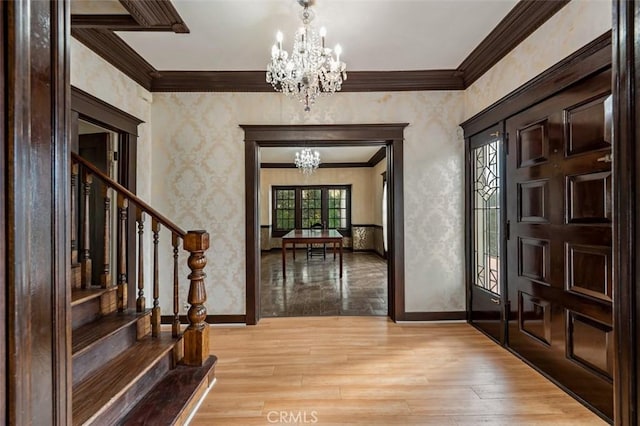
(313, 287)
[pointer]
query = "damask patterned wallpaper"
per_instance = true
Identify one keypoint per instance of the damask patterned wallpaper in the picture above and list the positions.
(195, 172)
(574, 26)
(198, 179)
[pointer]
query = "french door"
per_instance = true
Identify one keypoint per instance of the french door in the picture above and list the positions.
(559, 213)
(485, 200)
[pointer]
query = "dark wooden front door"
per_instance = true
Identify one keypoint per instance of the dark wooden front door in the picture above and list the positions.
(559, 212)
(486, 296)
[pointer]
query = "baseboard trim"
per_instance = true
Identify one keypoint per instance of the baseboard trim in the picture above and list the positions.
(211, 319)
(435, 316)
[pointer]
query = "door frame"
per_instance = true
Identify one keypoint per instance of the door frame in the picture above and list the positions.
(89, 108)
(389, 135)
(626, 140)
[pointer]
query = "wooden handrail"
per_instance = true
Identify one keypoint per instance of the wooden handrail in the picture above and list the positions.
(130, 195)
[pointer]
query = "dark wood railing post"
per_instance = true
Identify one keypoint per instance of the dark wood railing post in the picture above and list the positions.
(140, 301)
(196, 336)
(105, 277)
(74, 213)
(123, 205)
(85, 257)
(175, 327)
(155, 312)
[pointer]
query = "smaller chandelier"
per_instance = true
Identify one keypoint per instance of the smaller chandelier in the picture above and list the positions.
(311, 70)
(307, 161)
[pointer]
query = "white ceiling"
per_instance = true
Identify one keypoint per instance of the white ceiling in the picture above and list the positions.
(376, 35)
(349, 154)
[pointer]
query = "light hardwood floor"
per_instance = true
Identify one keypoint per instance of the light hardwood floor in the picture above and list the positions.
(370, 371)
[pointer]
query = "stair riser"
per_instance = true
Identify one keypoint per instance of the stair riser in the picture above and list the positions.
(101, 352)
(112, 414)
(85, 312)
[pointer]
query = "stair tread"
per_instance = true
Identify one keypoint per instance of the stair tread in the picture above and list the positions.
(93, 395)
(167, 400)
(79, 296)
(84, 336)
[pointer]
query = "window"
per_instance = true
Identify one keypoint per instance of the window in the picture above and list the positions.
(302, 206)
(284, 210)
(486, 210)
(311, 207)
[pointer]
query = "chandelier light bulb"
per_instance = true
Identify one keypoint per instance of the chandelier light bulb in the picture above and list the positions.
(310, 70)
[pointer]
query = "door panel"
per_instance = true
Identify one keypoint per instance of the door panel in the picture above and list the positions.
(486, 199)
(559, 208)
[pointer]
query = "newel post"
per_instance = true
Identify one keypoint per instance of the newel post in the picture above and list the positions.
(196, 336)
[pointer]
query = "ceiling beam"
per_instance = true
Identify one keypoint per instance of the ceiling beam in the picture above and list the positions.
(113, 23)
(525, 17)
(155, 13)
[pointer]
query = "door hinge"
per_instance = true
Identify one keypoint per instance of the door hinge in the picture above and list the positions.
(115, 156)
(506, 143)
(507, 230)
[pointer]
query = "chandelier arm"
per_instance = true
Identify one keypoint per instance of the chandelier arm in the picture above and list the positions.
(310, 70)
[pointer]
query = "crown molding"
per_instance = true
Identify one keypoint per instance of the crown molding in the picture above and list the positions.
(377, 157)
(321, 165)
(118, 53)
(525, 17)
(97, 33)
(155, 13)
(254, 81)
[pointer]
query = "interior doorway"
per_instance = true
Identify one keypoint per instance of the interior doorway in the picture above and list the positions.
(344, 195)
(99, 146)
(389, 136)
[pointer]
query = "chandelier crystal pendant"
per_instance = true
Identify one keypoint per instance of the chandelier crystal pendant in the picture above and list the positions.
(311, 69)
(307, 161)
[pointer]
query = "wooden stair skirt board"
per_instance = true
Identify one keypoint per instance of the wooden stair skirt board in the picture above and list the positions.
(119, 368)
(174, 399)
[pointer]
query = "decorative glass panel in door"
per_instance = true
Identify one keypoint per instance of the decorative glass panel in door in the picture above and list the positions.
(485, 201)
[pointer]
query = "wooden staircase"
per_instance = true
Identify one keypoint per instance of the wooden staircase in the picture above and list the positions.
(128, 370)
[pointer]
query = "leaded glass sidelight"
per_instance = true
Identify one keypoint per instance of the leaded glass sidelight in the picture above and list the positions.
(486, 213)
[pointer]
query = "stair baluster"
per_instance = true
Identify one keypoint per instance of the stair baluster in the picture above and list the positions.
(140, 301)
(175, 326)
(196, 336)
(74, 214)
(105, 277)
(122, 363)
(123, 206)
(85, 257)
(155, 312)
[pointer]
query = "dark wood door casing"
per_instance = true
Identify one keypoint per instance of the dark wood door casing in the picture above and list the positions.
(89, 108)
(559, 206)
(626, 140)
(389, 135)
(36, 82)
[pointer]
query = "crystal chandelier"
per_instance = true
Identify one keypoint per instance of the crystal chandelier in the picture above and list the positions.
(307, 161)
(311, 69)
